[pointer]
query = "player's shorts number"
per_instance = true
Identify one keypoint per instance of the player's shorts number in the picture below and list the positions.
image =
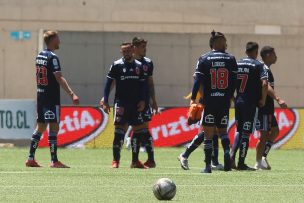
(41, 75)
(243, 78)
(219, 78)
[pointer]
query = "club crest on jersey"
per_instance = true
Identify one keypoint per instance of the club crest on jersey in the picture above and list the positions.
(145, 68)
(137, 71)
(124, 70)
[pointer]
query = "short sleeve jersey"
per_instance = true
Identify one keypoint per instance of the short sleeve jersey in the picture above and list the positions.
(48, 89)
(249, 76)
(148, 72)
(218, 71)
(129, 78)
(269, 104)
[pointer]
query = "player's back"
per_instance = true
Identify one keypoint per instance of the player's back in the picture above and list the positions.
(218, 70)
(48, 89)
(249, 85)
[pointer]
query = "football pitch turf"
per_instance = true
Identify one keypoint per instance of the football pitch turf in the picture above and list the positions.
(90, 178)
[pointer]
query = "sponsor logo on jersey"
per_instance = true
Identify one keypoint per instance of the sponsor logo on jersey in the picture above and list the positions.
(146, 68)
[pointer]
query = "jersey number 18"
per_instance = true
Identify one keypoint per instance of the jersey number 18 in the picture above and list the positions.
(219, 78)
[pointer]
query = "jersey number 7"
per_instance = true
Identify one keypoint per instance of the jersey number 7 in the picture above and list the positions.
(243, 78)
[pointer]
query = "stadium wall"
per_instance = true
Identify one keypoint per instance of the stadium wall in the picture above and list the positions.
(177, 31)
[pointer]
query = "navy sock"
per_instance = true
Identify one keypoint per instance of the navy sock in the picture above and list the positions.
(147, 141)
(225, 143)
(135, 145)
(215, 150)
(208, 151)
(34, 144)
(267, 148)
(119, 135)
(235, 145)
(197, 141)
(53, 146)
(244, 144)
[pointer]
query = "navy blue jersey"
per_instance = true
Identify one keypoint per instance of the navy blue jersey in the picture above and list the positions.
(148, 72)
(218, 72)
(48, 89)
(249, 85)
(128, 78)
(269, 105)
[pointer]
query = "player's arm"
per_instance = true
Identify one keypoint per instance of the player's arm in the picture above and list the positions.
(273, 94)
(142, 95)
(152, 94)
(264, 92)
(198, 81)
(104, 102)
(64, 84)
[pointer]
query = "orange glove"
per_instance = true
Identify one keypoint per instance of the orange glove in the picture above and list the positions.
(195, 113)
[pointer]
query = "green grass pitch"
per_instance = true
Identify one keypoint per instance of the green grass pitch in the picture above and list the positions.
(90, 178)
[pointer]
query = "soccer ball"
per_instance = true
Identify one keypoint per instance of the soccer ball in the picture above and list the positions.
(164, 189)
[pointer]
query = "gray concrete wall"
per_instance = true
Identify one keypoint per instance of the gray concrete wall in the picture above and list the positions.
(177, 31)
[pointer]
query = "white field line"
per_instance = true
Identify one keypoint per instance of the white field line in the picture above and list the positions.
(148, 186)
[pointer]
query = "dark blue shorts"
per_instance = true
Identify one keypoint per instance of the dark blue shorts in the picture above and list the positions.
(213, 116)
(266, 122)
(246, 117)
(127, 114)
(147, 113)
(48, 113)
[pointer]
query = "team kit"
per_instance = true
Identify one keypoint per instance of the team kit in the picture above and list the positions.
(219, 82)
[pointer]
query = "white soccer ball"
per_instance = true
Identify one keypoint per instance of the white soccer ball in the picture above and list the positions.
(164, 189)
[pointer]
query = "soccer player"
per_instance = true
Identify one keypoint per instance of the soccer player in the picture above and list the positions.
(251, 93)
(199, 138)
(49, 79)
(129, 103)
(268, 124)
(140, 48)
(216, 72)
(195, 143)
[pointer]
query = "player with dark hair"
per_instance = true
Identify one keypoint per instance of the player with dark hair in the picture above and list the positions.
(129, 103)
(49, 79)
(140, 48)
(251, 93)
(216, 73)
(199, 138)
(268, 124)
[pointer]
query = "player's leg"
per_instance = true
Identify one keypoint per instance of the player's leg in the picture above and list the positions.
(137, 138)
(121, 126)
(248, 117)
(209, 127)
(271, 139)
(128, 137)
(236, 142)
(52, 140)
(264, 129)
(40, 128)
(196, 141)
(208, 146)
(234, 149)
(215, 152)
(147, 143)
(222, 124)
